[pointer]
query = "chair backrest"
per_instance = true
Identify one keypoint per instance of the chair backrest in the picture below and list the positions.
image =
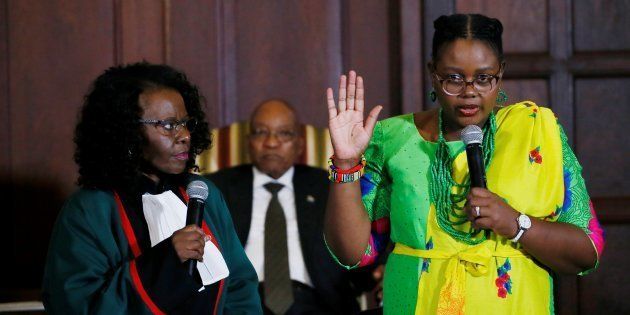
(230, 148)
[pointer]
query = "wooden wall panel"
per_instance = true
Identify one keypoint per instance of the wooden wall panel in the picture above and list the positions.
(602, 120)
(55, 49)
(412, 63)
(140, 31)
(524, 22)
(606, 290)
(561, 52)
(431, 10)
(194, 48)
(601, 25)
(5, 155)
(367, 23)
(287, 49)
(536, 90)
(6, 232)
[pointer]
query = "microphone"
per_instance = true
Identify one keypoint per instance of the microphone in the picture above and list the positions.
(197, 193)
(473, 138)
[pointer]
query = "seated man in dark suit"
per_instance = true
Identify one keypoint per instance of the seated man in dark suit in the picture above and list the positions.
(278, 211)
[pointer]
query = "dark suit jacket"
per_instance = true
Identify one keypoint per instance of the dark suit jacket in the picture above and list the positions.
(332, 283)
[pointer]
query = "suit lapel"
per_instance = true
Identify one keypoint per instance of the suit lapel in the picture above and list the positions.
(241, 195)
(306, 217)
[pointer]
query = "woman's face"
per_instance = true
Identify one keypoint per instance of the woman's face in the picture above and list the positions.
(167, 151)
(466, 59)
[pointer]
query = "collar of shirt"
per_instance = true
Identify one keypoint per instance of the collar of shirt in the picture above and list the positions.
(260, 179)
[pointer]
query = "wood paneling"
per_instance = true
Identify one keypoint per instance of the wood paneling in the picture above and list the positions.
(287, 49)
(612, 210)
(411, 63)
(367, 23)
(5, 154)
(141, 31)
(605, 291)
(6, 232)
(55, 49)
(602, 120)
(527, 18)
(561, 51)
(535, 90)
(194, 49)
(601, 25)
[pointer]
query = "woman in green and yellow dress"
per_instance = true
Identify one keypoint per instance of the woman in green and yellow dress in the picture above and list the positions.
(459, 250)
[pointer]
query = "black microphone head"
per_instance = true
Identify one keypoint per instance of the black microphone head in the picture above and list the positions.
(472, 134)
(197, 189)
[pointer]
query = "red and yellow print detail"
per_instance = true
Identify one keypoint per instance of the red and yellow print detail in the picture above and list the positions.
(534, 156)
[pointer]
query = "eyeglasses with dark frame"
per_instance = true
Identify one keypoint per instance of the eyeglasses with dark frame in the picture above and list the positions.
(455, 84)
(171, 127)
(281, 135)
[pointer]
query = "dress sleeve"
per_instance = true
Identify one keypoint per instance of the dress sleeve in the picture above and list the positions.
(241, 295)
(375, 192)
(87, 273)
(577, 208)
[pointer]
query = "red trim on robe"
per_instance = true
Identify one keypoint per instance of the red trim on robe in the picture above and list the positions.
(133, 270)
(126, 225)
(135, 249)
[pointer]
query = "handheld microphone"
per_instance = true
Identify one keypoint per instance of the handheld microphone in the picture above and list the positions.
(197, 193)
(473, 138)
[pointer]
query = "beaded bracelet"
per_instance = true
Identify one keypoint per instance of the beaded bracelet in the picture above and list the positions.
(337, 175)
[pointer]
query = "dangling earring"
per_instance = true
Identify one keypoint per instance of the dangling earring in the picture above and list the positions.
(502, 98)
(129, 154)
(432, 95)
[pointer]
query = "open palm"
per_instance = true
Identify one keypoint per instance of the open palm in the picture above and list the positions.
(349, 132)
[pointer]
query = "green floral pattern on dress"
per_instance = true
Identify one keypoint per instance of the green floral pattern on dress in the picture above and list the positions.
(575, 209)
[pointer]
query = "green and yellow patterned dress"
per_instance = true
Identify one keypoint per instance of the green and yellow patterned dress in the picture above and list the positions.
(429, 271)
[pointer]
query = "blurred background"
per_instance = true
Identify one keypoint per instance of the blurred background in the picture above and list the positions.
(570, 55)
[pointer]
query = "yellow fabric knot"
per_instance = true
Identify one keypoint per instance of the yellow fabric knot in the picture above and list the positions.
(474, 260)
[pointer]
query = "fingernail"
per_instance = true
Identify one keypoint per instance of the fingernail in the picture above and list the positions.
(206, 238)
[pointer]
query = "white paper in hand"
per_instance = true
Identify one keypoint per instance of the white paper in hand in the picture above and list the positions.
(166, 213)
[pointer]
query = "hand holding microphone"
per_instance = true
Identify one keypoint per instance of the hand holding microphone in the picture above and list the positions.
(197, 193)
(190, 241)
(486, 210)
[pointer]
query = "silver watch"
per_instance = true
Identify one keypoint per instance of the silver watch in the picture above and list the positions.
(524, 223)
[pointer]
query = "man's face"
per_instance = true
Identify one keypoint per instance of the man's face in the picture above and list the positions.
(274, 141)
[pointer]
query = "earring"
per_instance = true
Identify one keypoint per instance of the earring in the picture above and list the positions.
(432, 95)
(129, 154)
(502, 98)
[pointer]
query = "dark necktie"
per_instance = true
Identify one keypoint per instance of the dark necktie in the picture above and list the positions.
(278, 286)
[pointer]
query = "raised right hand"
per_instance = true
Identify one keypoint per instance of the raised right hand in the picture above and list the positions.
(189, 243)
(349, 133)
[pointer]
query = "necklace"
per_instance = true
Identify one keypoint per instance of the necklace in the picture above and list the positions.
(446, 194)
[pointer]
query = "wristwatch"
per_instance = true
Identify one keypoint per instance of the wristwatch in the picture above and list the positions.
(524, 223)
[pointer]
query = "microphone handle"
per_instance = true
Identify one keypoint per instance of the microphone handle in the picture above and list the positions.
(194, 216)
(477, 170)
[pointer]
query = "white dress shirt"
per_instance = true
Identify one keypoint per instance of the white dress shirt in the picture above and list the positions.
(255, 245)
